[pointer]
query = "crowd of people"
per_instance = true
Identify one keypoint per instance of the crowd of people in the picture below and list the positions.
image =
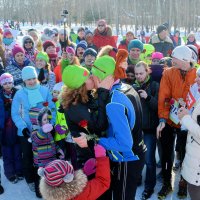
(79, 120)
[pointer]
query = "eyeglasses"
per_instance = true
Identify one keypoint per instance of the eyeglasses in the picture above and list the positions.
(101, 25)
(28, 42)
(99, 69)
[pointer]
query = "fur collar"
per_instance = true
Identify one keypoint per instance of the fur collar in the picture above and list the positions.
(108, 31)
(66, 191)
(155, 39)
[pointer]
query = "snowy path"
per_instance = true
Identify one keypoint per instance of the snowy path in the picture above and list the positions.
(20, 191)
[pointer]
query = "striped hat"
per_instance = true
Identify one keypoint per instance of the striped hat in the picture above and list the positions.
(57, 172)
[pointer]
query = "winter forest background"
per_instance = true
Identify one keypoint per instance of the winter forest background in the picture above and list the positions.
(118, 13)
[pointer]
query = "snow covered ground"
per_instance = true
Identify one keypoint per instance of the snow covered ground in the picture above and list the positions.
(20, 191)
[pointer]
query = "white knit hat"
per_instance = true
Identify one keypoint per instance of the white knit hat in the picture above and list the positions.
(183, 53)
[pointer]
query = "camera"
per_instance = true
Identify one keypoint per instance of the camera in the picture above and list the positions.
(65, 12)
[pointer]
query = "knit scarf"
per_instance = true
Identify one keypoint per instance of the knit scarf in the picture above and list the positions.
(53, 60)
(30, 54)
(34, 95)
(133, 61)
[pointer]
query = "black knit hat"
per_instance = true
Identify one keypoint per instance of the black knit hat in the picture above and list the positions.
(161, 28)
(90, 51)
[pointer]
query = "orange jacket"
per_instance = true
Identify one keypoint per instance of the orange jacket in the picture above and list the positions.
(57, 72)
(172, 85)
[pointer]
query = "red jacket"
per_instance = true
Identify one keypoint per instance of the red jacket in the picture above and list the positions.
(57, 72)
(103, 40)
(97, 186)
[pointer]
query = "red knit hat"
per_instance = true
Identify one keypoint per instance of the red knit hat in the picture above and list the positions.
(47, 44)
(16, 49)
(57, 172)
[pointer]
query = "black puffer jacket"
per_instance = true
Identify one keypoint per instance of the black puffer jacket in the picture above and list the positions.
(94, 112)
(149, 105)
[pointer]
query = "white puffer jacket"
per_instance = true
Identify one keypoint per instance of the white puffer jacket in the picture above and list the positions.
(191, 163)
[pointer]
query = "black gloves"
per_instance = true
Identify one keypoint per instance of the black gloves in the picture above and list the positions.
(26, 133)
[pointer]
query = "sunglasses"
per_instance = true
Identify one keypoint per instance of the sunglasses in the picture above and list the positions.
(101, 25)
(99, 69)
(28, 42)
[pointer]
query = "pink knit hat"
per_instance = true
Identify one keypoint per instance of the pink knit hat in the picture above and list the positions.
(7, 32)
(6, 78)
(102, 21)
(16, 49)
(157, 55)
(70, 50)
(57, 172)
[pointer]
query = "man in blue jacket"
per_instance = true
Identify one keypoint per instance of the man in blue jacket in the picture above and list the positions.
(124, 141)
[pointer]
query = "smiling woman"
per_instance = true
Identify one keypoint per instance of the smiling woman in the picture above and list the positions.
(17, 63)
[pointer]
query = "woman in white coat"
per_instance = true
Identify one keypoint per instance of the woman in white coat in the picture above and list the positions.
(191, 121)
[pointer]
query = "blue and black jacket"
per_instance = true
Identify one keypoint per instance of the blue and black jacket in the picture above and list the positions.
(124, 140)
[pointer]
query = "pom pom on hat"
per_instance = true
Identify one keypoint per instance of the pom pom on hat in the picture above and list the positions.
(58, 172)
(16, 49)
(135, 44)
(74, 76)
(47, 44)
(6, 78)
(29, 72)
(43, 56)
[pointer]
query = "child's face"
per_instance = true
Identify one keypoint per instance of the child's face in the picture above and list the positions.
(8, 86)
(51, 50)
(80, 51)
(155, 61)
(40, 63)
(56, 93)
(45, 119)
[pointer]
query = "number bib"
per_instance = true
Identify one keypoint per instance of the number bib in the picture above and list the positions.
(173, 112)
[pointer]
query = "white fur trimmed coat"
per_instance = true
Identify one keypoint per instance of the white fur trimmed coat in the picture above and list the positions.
(191, 163)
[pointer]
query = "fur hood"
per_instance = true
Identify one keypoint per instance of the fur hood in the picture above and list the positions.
(155, 39)
(25, 38)
(65, 191)
(108, 31)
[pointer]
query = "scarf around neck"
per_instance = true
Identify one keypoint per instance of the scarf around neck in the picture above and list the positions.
(34, 95)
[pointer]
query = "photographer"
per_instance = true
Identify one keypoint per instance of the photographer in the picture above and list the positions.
(148, 92)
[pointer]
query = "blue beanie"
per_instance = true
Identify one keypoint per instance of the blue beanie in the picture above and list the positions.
(135, 44)
(82, 44)
(29, 72)
(90, 51)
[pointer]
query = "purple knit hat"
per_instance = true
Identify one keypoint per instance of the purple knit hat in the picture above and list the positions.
(16, 49)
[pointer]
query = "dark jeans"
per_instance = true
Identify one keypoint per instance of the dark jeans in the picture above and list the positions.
(150, 160)
(181, 144)
(27, 160)
(12, 160)
(125, 177)
(167, 143)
